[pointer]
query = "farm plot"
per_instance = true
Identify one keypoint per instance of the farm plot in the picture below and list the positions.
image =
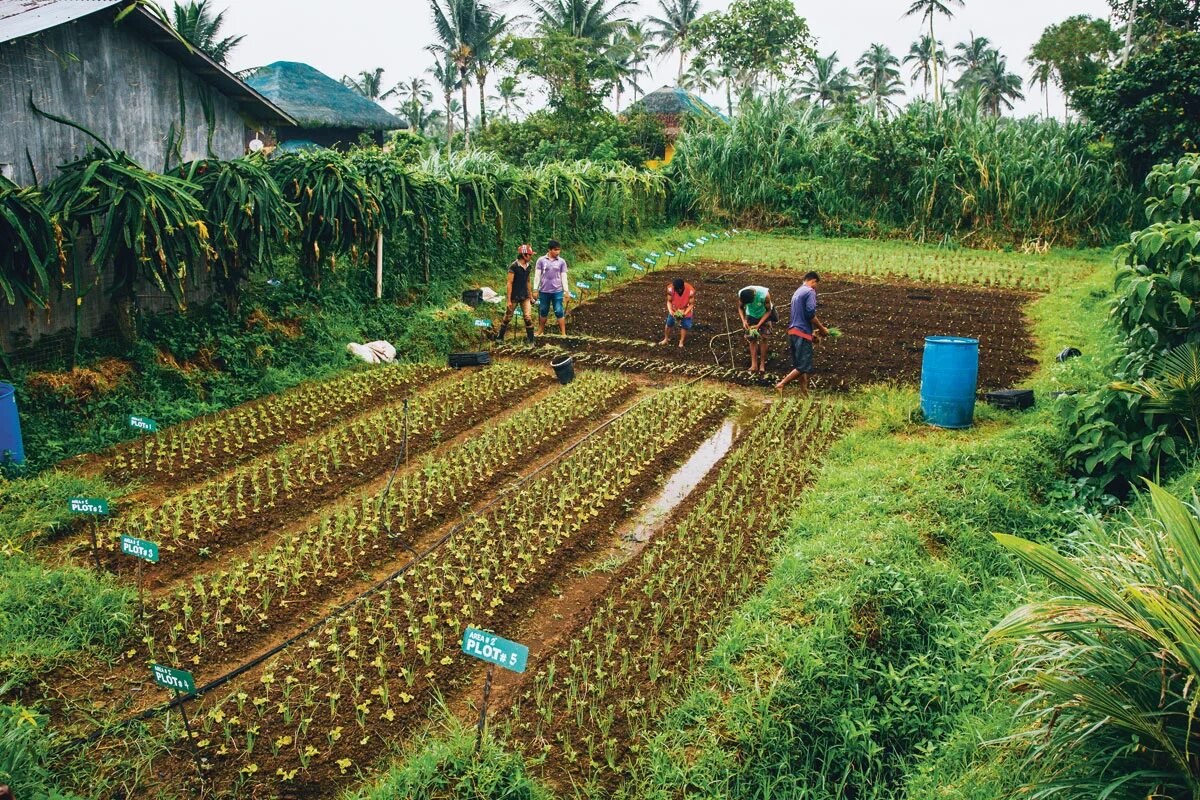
(328, 705)
(884, 325)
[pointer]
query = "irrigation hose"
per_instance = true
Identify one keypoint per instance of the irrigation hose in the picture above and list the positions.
(220, 681)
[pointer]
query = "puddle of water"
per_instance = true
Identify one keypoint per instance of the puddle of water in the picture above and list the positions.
(681, 483)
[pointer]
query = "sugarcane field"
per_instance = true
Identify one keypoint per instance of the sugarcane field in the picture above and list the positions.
(409, 400)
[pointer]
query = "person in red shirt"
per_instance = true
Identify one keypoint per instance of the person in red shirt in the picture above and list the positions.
(681, 305)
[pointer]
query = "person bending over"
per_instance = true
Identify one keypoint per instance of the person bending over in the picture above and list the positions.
(681, 305)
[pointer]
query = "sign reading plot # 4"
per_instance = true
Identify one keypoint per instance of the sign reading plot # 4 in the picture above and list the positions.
(494, 650)
(178, 679)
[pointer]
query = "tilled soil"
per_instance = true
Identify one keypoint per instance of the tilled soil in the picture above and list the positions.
(883, 325)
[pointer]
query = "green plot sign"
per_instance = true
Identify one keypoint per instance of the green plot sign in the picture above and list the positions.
(139, 548)
(87, 505)
(142, 423)
(178, 679)
(494, 650)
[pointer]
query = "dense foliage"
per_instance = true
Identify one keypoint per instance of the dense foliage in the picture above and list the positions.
(1117, 437)
(1108, 666)
(545, 136)
(1150, 107)
(923, 173)
(28, 245)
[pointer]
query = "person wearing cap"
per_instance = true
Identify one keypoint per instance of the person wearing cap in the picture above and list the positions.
(757, 312)
(801, 329)
(519, 293)
(551, 280)
(681, 304)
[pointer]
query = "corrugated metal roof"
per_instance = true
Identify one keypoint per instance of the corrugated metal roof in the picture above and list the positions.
(24, 17)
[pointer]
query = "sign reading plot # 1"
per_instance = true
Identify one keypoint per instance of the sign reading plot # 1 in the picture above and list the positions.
(491, 648)
(142, 423)
(178, 679)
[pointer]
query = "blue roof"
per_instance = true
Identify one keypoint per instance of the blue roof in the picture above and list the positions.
(316, 100)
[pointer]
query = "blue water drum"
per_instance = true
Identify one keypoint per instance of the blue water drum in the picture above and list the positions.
(12, 450)
(948, 374)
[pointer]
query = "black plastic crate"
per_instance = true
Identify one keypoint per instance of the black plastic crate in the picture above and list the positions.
(1015, 399)
(473, 297)
(478, 359)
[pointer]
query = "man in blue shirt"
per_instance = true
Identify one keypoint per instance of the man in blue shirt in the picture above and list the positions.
(800, 332)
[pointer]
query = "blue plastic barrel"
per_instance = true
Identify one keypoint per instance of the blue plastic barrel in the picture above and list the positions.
(11, 448)
(948, 373)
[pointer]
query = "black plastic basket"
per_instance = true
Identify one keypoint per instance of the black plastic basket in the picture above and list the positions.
(480, 359)
(473, 297)
(1014, 399)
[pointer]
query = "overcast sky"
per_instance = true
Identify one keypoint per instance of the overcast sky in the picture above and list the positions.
(346, 36)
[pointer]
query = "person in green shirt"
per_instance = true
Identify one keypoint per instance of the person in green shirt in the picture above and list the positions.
(757, 313)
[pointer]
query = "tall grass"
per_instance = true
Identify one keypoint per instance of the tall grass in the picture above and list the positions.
(922, 174)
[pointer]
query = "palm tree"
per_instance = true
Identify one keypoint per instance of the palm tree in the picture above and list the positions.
(369, 84)
(970, 56)
(879, 72)
(671, 29)
(445, 74)
(997, 86)
(456, 23)
(1043, 76)
(623, 55)
(700, 77)
(922, 55)
(488, 31)
(417, 97)
(637, 37)
(594, 20)
(824, 82)
(928, 9)
(196, 23)
(509, 94)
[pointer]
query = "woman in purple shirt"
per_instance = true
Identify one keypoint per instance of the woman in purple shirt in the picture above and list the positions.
(551, 280)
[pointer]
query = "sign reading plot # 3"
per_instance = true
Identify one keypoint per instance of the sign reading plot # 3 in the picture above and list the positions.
(491, 648)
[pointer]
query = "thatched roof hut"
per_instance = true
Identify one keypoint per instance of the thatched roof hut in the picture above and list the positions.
(671, 104)
(327, 112)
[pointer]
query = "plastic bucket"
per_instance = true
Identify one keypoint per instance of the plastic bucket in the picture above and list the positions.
(12, 449)
(564, 368)
(948, 373)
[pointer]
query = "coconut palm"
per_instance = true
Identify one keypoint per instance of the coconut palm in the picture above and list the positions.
(671, 28)
(1043, 76)
(594, 20)
(922, 55)
(824, 82)
(509, 93)
(638, 38)
(997, 86)
(488, 31)
(623, 56)
(970, 56)
(369, 84)
(457, 26)
(927, 10)
(196, 23)
(879, 74)
(417, 97)
(445, 74)
(700, 76)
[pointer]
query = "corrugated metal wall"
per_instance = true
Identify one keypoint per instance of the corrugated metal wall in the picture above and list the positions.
(111, 81)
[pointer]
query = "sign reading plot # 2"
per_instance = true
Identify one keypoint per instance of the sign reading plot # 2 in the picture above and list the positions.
(491, 648)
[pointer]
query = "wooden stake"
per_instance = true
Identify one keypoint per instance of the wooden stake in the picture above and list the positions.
(187, 728)
(379, 266)
(95, 545)
(487, 691)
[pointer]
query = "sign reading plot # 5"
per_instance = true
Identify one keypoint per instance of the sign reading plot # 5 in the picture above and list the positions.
(491, 648)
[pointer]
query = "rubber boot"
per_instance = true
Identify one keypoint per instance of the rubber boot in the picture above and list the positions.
(500, 333)
(529, 340)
